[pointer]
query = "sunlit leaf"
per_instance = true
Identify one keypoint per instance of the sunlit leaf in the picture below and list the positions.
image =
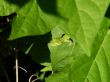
(88, 29)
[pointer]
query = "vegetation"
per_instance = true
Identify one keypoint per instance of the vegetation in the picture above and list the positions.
(54, 41)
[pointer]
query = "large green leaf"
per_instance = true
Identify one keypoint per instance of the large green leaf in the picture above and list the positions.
(27, 22)
(100, 67)
(32, 20)
(71, 64)
(87, 60)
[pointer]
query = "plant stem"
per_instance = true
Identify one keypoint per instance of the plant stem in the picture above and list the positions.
(16, 65)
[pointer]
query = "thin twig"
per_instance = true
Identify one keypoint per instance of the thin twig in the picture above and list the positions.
(34, 79)
(16, 64)
(21, 68)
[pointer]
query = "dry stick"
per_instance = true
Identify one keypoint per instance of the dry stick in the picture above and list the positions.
(16, 64)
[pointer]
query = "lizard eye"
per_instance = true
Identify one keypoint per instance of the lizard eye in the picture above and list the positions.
(62, 35)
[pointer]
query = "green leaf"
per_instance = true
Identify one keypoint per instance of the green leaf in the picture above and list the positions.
(100, 68)
(28, 22)
(7, 8)
(85, 65)
(60, 77)
(32, 20)
(89, 31)
(79, 67)
(47, 68)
